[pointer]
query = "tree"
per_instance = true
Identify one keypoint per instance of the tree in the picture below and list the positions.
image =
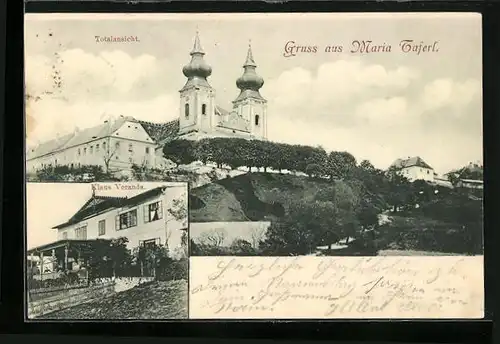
(108, 153)
(313, 170)
(240, 247)
(180, 151)
(213, 237)
(340, 164)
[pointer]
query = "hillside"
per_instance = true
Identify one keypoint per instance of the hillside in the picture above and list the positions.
(158, 300)
(250, 197)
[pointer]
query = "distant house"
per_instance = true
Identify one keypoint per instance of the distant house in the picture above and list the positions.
(414, 168)
(469, 176)
(470, 184)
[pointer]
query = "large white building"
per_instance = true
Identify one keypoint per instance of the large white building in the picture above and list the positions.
(116, 145)
(414, 168)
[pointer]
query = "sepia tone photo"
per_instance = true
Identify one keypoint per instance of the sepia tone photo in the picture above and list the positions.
(322, 151)
(106, 251)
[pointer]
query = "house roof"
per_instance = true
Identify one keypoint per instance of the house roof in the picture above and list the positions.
(99, 204)
(61, 243)
(409, 162)
(78, 137)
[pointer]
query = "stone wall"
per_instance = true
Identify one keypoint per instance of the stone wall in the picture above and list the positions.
(68, 298)
(44, 301)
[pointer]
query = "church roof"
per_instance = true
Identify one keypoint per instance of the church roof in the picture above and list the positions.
(78, 137)
(98, 204)
(220, 111)
(410, 162)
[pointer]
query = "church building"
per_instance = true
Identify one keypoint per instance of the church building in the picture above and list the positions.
(117, 145)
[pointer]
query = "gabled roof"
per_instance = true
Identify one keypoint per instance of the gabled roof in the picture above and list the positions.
(161, 132)
(79, 137)
(99, 204)
(409, 162)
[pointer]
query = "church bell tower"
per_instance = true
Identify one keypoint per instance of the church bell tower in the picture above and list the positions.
(197, 97)
(250, 104)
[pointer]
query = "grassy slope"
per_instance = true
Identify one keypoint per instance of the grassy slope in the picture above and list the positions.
(159, 300)
(250, 197)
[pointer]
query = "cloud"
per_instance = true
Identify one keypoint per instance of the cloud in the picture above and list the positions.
(377, 113)
(441, 93)
(334, 88)
(108, 74)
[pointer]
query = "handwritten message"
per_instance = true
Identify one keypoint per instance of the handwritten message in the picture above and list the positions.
(336, 287)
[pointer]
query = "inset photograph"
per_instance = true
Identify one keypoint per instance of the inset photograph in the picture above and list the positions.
(106, 251)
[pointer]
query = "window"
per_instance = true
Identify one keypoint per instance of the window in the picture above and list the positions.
(79, 152)
(102, 227)
(427, 171)
(147, 150)
(126, 220)
(96, 148)
(91, 149)
(85, 151)
(104, 146)
(65, 235)
(204, 109)
(151, 243)
(130, 148)
(186, 110)
(256, 119)
(81, 233)
(153, 212)
(117, 145)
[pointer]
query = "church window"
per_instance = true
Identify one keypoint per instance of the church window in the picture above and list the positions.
(117, 145)
(96, 148)
(85, 151)
(147, 150)
(186, 110)
(104, 145)
(204, 109)
(130, 148)
(256, 119)
(79, 152)
(91, 149)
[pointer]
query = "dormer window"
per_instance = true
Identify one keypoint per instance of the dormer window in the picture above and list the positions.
(204, 109)
(257, 119)
(186, 110)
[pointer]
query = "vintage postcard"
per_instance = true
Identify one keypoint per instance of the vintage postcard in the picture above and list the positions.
(334, 161)
(107, 251)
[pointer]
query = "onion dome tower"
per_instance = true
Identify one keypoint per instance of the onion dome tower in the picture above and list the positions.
(197, 70)
(250, 82)
(249, 104)
(197, 97)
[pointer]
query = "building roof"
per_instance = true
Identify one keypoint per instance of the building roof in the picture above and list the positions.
(409, 162)
(99, 204)
(161, 132)
(78, 137)
(61, 243)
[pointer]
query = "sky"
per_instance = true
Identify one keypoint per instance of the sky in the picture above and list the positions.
(68, 198)
(377, 106)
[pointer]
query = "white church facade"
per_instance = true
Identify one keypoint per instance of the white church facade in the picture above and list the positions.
(118, 144)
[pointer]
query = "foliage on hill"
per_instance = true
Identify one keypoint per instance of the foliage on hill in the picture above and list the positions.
(235, 152)
(307, 212)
